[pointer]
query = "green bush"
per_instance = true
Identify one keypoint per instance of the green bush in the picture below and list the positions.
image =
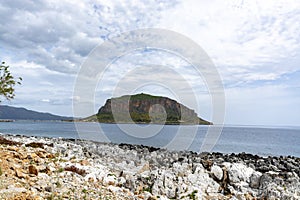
(7, 82)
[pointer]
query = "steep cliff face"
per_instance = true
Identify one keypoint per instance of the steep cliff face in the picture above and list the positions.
(145, 108)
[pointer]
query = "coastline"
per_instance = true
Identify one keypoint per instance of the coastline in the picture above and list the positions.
(34, 167)
(147, 123)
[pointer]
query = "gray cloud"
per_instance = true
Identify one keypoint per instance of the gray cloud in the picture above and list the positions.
(254, 45)
(60, 34)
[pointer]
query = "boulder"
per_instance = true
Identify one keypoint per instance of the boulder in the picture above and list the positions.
(217, 172)
(110, 180)
(255, 179)
(32, 170)
(20, 174)
(239, 172)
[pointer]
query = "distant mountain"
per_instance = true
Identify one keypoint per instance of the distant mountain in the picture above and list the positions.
(145, 108)
(13, 113)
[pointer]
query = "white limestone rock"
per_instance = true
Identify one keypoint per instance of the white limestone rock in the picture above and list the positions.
(217, 172)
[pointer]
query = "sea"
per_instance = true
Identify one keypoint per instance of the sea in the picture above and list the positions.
(259, 140)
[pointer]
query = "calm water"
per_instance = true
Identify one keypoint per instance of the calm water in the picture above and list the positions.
(256, 140)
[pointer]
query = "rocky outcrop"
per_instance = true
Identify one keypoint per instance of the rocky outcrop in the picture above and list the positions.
(144, 108)
(68, 169)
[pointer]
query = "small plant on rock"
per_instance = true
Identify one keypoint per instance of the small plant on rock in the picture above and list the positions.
(193, 194)
(84, 191)
(60, 170)
(58, 184)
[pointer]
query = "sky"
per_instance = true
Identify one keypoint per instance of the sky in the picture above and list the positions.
(254, 45)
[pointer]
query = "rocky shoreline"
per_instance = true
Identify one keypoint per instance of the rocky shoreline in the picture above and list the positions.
(56, 168)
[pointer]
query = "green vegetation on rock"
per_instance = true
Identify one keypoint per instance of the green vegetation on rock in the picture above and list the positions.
(145, 108)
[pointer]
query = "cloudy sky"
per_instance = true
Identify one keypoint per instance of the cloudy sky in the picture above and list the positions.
(254, 45)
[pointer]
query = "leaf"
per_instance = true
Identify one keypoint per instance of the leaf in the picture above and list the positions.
(7, 82)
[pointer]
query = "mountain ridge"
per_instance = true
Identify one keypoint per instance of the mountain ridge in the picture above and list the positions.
(20, 113)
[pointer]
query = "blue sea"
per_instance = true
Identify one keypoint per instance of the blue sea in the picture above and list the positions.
(263, 141)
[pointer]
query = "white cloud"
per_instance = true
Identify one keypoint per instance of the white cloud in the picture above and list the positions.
(241, 35)
(46, 41)
(42, 89)
(60, 34)
(254, 44)
(45, 100)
